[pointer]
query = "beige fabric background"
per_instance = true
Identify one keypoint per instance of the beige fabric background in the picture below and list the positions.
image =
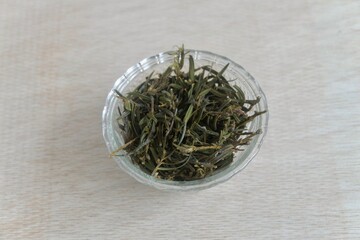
(59, 59)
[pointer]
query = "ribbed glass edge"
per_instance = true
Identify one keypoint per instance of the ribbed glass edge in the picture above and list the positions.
(144, 178)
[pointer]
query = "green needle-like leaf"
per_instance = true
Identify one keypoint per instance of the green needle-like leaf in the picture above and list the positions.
(183, 125)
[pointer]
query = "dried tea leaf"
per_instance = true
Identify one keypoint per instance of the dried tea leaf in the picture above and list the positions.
(184, 126)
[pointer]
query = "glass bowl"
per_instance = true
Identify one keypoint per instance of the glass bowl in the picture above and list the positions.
(158, 63)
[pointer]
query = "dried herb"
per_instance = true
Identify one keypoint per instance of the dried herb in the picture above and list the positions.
(185, 125)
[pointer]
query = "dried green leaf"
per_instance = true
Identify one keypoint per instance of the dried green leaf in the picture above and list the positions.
(191, 69)
(185, 125)
(188, 113)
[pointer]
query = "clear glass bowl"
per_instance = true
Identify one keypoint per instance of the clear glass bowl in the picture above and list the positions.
(158, 63)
